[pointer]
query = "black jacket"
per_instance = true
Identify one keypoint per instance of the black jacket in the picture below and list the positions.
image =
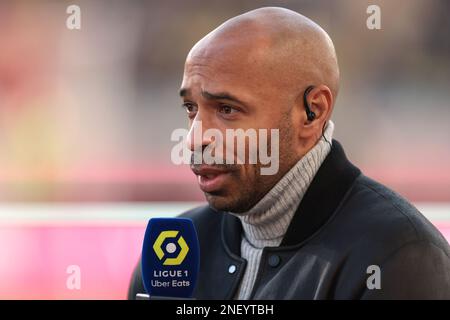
(345, 223)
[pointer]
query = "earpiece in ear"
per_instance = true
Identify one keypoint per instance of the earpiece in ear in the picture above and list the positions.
(309, 114)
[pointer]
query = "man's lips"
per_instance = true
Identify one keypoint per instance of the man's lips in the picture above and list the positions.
(209, 178)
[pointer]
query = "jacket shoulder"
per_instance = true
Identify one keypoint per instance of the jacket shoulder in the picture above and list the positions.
(386, 207)
(376, 226)
(372, 221)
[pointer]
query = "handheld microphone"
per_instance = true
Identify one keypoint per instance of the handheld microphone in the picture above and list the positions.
(170, 258)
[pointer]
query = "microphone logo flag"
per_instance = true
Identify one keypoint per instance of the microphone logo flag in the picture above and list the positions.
(171, 247)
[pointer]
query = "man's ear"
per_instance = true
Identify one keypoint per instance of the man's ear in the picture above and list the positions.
(320, 101)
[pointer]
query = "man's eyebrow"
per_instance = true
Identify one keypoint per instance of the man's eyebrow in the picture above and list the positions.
(184, 92)
(212, 96)
(220, 96)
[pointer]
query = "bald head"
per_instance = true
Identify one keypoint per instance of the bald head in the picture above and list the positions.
(290, 50)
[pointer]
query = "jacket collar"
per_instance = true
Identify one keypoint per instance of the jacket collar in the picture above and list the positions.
(332, 181)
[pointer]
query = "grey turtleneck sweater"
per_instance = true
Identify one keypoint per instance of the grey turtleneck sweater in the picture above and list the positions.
(266, 223)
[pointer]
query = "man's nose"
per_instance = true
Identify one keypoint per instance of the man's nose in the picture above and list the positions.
(196, 140)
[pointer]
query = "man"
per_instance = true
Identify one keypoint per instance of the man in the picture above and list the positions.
(318, 228)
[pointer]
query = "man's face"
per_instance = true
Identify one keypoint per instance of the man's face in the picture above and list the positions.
(232, 91)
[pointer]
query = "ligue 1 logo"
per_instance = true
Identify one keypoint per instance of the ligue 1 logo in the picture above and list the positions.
(171, 247)
(170, 257)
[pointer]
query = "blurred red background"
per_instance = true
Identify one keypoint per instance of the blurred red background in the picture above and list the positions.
(86, 117)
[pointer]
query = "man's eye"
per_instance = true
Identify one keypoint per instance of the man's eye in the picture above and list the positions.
(190, 108)
(227, 109)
